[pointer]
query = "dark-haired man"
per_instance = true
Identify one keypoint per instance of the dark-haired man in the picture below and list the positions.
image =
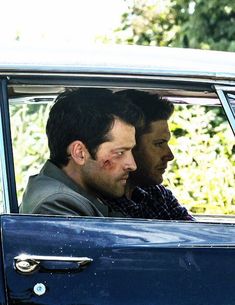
(145, 196)
(91, 133)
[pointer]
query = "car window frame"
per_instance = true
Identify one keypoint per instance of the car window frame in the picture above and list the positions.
(11, 205)
(10, 202)
(221, 91)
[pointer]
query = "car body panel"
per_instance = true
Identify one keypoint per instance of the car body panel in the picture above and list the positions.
(134, 261)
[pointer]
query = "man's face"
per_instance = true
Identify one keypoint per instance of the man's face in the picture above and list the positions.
(152, 154)
(108, 173)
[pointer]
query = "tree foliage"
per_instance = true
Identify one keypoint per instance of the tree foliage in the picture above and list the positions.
(29, 141)
(205, 24)
(179, 23)
(202, 174)
(146, 23)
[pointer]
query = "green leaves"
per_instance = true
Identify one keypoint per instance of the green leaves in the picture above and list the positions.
(196, 24)
(202, 175)
(29, 141)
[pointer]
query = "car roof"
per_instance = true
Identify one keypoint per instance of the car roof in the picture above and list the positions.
(119, 59)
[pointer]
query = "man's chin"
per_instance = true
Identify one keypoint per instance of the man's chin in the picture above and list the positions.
(145, 180)
(116, 193)
(154, 180)
(159, 180)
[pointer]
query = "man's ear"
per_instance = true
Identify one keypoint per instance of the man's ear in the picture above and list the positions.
(78, 152)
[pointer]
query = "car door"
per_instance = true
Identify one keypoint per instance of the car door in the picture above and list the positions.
(65, 260)
(85, 260)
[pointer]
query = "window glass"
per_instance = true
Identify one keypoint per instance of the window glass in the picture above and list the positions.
(28, 126)
(231, 99)
(202, 174)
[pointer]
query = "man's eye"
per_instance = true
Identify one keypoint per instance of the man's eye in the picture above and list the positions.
(119, 153)
(159, 144)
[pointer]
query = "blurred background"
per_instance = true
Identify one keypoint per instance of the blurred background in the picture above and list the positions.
(177, 23)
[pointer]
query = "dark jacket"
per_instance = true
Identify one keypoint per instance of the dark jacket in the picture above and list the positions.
(52, 192)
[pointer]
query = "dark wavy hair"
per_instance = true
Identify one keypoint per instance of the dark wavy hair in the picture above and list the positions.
(86, 114)
(153, 106)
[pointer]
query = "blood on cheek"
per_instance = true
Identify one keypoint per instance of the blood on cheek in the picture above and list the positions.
(109, 163)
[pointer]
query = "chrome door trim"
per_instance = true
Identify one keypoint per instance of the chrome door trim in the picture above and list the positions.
(3, 171)
(6, 153)
(227, 108)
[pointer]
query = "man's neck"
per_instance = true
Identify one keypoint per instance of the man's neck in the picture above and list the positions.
(130, 186)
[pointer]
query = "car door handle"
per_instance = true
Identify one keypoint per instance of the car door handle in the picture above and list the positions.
(28, 264)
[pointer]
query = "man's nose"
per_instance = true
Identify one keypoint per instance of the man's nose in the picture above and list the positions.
(130, 164)
(169, 156)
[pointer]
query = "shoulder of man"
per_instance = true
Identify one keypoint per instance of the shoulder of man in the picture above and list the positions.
(176, 209)
(45, 195)
(160, 189)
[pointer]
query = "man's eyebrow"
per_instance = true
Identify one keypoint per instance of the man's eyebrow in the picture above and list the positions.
(124, 147)
(160, 139)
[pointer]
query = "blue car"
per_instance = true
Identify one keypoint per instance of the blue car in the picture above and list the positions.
(66, 260)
